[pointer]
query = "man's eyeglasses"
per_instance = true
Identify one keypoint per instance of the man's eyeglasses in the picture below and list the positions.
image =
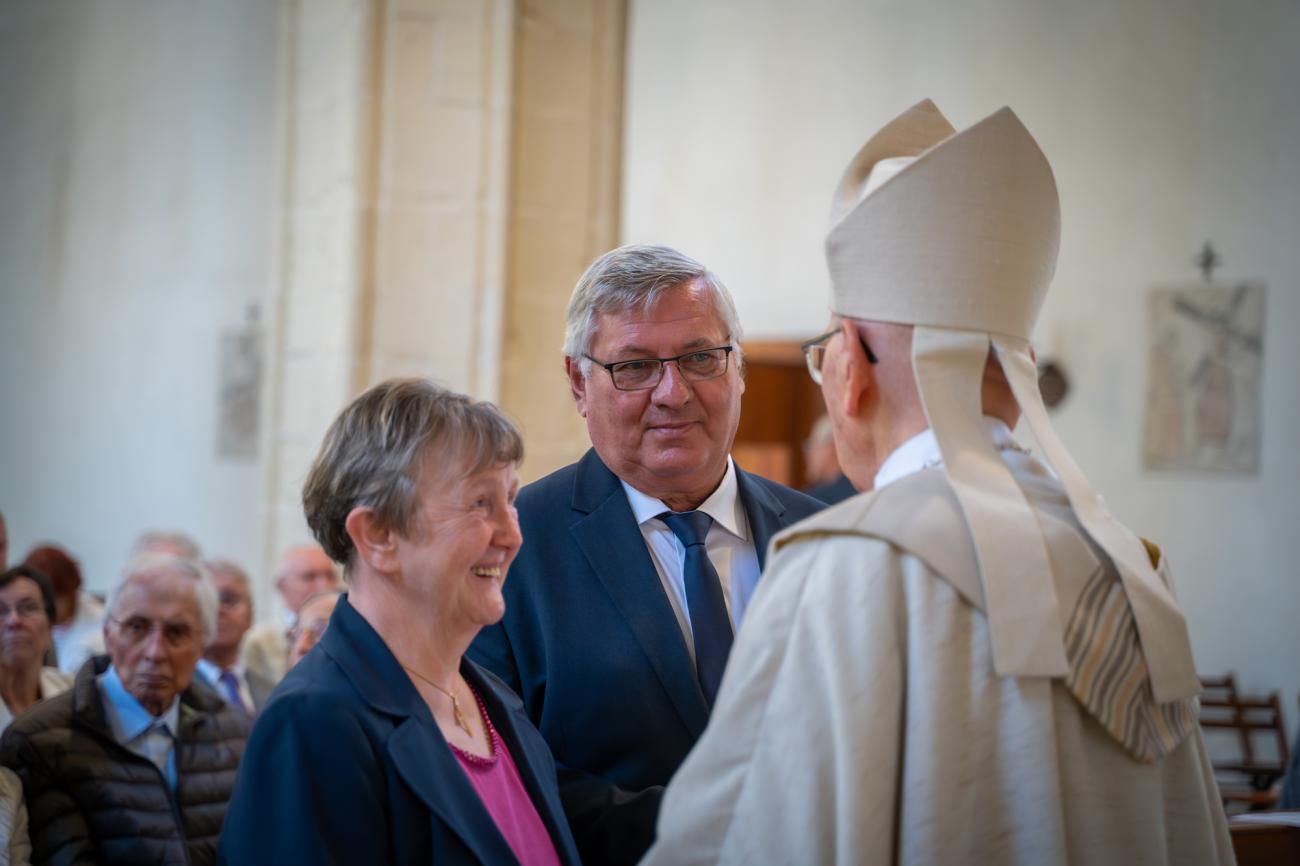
(137, 629)
(642, 374)
(814, 351)
(313, 631)
(25, 610)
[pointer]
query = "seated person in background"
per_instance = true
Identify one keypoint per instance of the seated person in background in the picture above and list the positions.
(4, 542)
(26, 610)
(78, 616)
(220, 666)
(974, 663)
(822, 466)
(135, 763)
(304, 570)
(384, 744)
(313, 619)
(166, 541)
(15, 844)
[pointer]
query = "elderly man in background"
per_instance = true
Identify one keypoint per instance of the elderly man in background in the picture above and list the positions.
(136, 763)
(78, 627)
(974, 662)
(822, 465)
(312, 620)
(220, 666)
(638, 560)
(304, 570)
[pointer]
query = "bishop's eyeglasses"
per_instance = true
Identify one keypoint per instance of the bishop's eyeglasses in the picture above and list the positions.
(641, 374)
(814, 352)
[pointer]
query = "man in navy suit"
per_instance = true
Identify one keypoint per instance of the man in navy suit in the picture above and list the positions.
(638, 561)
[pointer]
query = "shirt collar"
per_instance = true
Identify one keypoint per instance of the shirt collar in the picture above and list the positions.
(723, 504)
(127, 716)
(213, 671)
(922, 452)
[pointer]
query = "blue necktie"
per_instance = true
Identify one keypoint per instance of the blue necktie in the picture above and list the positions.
(230, 685)
(710, 624)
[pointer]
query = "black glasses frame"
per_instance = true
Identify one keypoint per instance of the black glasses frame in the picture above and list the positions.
(662, 362)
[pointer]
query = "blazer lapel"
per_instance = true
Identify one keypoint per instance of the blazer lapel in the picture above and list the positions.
(431, 770)
(416, 746)
(764, 510)
(533, 763)
(612, 542)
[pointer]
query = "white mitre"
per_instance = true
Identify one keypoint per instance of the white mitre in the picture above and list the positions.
(957, 233)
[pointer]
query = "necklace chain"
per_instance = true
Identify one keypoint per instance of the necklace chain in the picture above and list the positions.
(461, 721)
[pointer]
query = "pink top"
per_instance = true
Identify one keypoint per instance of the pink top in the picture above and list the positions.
(497, 781)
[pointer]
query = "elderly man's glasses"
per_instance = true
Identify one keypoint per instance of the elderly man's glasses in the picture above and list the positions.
(814, 352)
(137, 629)
(24, 609)
(313, 631)
(641, 374)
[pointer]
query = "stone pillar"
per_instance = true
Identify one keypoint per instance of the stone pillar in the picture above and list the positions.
(566, 168)
(394, 158)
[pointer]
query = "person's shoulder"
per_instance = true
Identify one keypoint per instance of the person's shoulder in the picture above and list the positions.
(42, 721)
(546, 490)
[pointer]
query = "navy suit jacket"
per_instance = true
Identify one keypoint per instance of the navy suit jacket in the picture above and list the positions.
(346, 765)
(592, 646)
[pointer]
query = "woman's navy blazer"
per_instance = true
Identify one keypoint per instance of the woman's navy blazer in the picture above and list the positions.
(346, 765)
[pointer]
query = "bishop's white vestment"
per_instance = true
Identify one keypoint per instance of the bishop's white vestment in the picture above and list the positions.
(860, 720)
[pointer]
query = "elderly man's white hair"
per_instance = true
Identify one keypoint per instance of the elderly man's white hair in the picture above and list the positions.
(152, 564)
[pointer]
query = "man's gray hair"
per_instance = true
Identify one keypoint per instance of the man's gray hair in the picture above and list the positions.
(636, 277)
(226, 566)
(154, 564)
(166, 541)
(372, 453)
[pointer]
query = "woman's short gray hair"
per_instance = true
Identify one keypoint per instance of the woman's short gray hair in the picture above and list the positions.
(153, 564)
(372, 453)
(636, 277)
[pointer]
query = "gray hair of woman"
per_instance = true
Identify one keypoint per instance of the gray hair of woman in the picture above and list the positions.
(154, 564)
(636, 277)
(372, 456)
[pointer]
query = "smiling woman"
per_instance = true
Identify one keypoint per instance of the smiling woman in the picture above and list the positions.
(413, 493)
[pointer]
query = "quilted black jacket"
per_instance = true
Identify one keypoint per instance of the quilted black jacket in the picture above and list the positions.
(90, 800)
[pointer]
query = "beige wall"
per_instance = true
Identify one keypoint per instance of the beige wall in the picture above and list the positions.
(1167, 123)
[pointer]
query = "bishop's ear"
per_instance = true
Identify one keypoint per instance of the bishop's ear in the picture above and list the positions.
(853, 370)
(376, 544)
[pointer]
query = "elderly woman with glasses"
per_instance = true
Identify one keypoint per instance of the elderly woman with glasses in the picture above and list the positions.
(384, 744)
(26, 615)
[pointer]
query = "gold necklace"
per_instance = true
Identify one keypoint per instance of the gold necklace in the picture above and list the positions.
(461, 721)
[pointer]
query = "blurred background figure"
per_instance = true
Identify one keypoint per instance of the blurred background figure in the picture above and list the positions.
(822, 466)
(313, 617)
(221, 666)
(304, 571)
(15, 844)
(78, 623)
(166, 541)
(4, 542)
(135, 764)
(26, 612)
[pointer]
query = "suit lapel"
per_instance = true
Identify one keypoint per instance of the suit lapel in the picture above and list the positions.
(532, 762)
(609, 537)
(428, 766)
(764, 510)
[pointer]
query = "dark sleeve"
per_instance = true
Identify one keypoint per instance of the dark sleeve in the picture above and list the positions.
(310, 789)
(610, 825)
(59, 832)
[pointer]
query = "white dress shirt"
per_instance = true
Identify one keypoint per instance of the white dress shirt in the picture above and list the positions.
(730, 545)
(922, 452)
